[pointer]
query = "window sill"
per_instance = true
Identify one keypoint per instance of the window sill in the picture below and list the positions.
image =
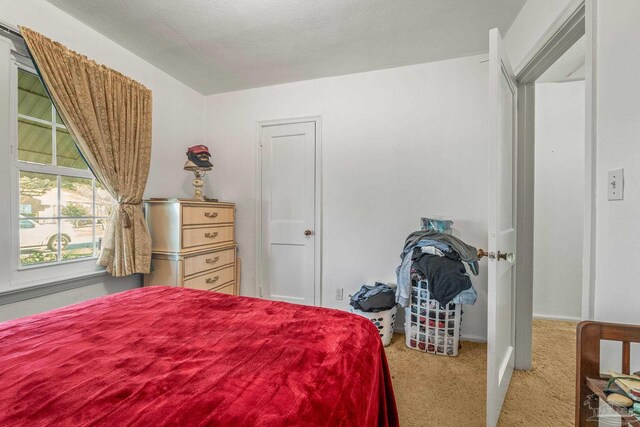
(58, 264)
(44, 274)
(31, 290)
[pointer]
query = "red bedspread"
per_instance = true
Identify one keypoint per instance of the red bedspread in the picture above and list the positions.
(180, 357)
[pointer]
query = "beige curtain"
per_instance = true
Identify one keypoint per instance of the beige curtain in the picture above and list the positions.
(109, 117)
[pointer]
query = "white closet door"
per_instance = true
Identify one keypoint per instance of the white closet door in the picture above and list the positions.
(288, 211)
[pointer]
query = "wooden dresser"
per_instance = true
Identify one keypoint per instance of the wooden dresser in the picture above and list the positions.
(192, 245)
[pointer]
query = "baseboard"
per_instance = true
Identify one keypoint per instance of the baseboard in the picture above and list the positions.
(473, 338)
(559, 318)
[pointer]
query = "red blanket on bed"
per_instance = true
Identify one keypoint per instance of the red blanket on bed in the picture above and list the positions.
(180, 357)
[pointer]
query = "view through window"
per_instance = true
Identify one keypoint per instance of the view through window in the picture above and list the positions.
(62, 208)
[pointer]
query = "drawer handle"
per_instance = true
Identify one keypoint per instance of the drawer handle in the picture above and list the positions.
(211, 235)
(212, 260)
(211, 214)
(210, 280)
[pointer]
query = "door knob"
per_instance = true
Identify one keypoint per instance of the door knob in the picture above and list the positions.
(501, 256)
(482, 253)
(308, 232)
(510, 257)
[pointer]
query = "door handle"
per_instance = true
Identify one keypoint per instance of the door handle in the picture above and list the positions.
(482, 253)
(510, 257)
(308, 232)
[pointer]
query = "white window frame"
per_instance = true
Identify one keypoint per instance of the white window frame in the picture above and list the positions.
(25, 276)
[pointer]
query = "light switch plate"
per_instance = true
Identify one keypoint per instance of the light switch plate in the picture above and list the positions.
(339, 294)
(615, 185)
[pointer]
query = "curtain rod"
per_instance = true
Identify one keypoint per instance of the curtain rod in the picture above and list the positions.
(15, 37)
(10, 29)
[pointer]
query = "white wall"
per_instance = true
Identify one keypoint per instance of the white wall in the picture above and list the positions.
(617, 294)
(31, 306)
(397, 144)
(178, 122)
(559, 200)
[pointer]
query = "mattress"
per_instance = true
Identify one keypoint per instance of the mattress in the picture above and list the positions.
(175, 356)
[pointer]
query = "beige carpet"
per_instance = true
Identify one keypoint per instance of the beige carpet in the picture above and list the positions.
(449, 391)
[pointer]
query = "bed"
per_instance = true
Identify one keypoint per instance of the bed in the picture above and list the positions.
(173, 356)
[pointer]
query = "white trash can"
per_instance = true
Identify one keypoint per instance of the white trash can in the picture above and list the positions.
(383, 320)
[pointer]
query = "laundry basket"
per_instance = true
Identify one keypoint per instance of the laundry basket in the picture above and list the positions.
(430, 327)
(383, 320)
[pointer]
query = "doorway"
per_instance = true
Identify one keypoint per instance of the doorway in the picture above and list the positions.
(558, 217)
(288, 211)
(573, 29)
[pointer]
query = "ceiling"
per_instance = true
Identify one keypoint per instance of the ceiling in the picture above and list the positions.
(569, 67)
(223, 45)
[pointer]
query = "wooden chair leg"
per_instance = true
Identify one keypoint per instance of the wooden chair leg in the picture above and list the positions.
(587, 366)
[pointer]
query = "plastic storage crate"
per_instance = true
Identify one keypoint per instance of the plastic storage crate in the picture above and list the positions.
(383, 320)
(429, 327)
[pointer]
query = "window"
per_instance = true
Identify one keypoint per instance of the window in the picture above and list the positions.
(62, 209)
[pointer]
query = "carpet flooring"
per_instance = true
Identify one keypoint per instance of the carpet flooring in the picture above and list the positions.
(449, 391)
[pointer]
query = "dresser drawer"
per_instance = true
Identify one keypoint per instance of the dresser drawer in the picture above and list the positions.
(212, 280)
(200, 263)
(194, 238)
(228, 289)
(205, 215)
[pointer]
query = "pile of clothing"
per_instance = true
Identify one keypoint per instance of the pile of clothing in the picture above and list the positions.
(374, 298)
(437, 259)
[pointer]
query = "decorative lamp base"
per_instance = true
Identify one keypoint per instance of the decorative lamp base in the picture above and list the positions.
(198, 182)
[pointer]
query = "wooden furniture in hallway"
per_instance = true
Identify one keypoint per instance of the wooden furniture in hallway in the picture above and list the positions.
(590, 383)
(193, 245)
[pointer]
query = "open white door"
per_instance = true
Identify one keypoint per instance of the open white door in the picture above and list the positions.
(502, 227)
